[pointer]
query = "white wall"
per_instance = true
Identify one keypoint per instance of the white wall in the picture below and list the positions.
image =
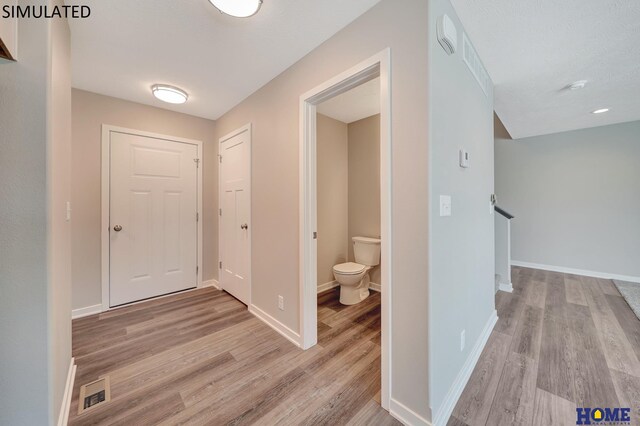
(35, 299)
(90, 112)
(575, 196)
(274, 112)
(332, 194)
(461, 271)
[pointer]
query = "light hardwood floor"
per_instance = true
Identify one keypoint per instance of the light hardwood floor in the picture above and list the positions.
(200, 358)
(561, 342)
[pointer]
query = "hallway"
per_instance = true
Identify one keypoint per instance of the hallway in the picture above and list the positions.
(561, 342)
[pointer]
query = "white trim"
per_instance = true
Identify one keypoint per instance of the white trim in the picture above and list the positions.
(375, 287)
(211, 283)
(327, 286)
(508, 287)
(405, 415)
(246, 128)
(63, 417)
(285, 331)
(377, 65)
(86, 311)
(451, 399)
(106, 160)
(574, 271)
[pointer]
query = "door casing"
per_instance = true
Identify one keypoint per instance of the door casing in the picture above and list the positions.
(106, 200)
(246, 128)
(378, 65)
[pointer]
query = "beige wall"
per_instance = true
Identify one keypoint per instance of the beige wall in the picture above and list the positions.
(364, 183)
(274, 112)
(90, 111)
(59, 184)
(332, 195)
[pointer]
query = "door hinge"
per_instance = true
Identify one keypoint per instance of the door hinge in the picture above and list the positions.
(220, 212)
(197, 161)
(315, 235)
(220, 156)
(197, 217)
(197, 270)
(220, 265)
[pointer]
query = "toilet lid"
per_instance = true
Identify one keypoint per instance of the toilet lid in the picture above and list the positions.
(349, 268)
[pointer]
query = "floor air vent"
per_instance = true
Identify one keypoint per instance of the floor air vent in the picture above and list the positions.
(94, 394)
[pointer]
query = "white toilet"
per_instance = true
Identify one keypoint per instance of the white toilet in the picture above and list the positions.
(354, 277)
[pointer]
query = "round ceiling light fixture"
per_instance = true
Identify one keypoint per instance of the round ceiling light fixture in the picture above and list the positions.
(600, 111)
(237, 8)
(169, 94)
(577, 85)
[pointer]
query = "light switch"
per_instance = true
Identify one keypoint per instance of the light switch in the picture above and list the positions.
(464, 159)
(445, 205)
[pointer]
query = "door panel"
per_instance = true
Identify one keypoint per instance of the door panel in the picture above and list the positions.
(153, 197)
(235, 229)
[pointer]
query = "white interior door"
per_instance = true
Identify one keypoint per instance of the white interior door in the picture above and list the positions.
(153, 217)
(235, 226)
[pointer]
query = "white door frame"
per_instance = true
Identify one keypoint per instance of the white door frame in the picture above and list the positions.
(106, 200)
(377, 65)
(245, 128)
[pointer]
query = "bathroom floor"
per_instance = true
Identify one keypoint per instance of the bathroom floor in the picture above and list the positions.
(201, 358)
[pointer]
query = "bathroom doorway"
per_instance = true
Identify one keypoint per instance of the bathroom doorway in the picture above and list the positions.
(356, 100)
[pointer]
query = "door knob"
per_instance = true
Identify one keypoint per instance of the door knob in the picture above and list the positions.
(244, 226)
(117, 228)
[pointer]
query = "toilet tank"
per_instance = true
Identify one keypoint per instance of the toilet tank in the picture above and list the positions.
(366, 250)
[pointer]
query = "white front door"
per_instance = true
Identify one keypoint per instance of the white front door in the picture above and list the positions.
(235, 202)
(153, 217)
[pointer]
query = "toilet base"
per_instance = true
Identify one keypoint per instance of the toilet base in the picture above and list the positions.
(350, 295)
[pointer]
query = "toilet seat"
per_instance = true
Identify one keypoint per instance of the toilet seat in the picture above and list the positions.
(349, 268)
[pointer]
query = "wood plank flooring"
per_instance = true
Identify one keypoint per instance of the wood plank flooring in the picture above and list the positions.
(562, 341)
(200, 358)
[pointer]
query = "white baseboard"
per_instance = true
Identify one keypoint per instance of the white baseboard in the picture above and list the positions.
(574, 271)
(285, 331)
(405, 415)
(375, 287)
(211, 283)
(63, 417)
(451, 399)
(506, 287)
(85, 312)
(327, 286)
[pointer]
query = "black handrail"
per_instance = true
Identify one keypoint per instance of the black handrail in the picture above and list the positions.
(503, 212)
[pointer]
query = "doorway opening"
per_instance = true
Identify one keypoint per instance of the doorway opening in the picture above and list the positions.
(374, 71)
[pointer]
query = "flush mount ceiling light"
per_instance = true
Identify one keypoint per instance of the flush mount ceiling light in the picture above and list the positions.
(169, 94)
(577, 85)
(237, 8)
(600, 111)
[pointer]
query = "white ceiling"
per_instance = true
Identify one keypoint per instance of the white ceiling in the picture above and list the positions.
(533, 48)
(126, 46)
(360, 102)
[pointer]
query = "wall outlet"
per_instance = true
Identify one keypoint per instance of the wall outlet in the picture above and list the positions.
(462, 340)
(281, 303)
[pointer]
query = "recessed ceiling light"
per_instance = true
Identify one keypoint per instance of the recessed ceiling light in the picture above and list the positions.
(237, 8)
(170, 94)
(600, 111)
(577, 85)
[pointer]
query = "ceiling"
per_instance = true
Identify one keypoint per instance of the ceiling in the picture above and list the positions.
(127, 46)
(533, 48)
(360, 102)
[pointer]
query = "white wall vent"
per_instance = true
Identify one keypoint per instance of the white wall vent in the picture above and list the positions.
(471, 58)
